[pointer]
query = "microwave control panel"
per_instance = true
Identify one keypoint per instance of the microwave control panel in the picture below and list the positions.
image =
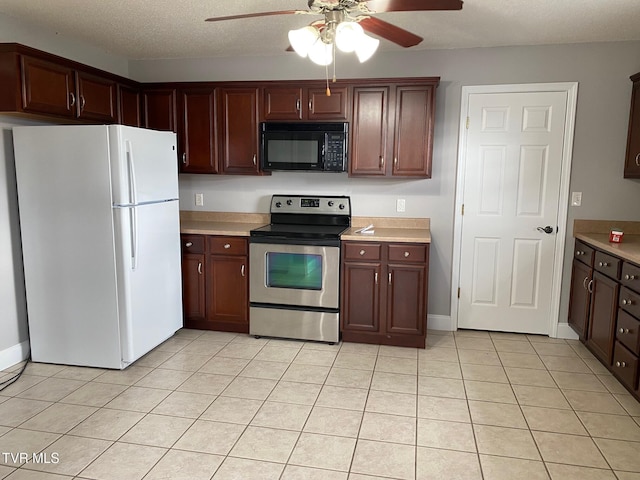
(334, 154)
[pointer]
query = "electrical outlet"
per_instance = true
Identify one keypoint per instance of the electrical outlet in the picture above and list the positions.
(199, 200)
(576, 199)
(400, 205)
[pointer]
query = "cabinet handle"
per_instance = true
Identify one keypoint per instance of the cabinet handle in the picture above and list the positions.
(381, 161)
(621, 364)
(184, 158)
(200, 268)
(579, 252)
(590, 286)
(73, 98)
(406, 254)
(389, 278)
(603, 264)
(227, 245)
(375, 277)
(395, 162)
(627, 302)
(242, 270)
(362, 252)
(188, 244)
(255, 159)
(629, 277)
(82, 102)
(638, 160)
(584, 283)
(623, 330)
(298, 105)
(310, 105)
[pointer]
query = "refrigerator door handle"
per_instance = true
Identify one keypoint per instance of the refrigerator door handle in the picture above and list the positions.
(133, 190)
(133, 220)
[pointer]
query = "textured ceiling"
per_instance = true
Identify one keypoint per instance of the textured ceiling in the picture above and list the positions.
(137, 29)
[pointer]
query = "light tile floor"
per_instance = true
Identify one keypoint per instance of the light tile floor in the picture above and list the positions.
(204, 405)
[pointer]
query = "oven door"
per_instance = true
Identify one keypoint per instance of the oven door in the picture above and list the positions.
(297, 275)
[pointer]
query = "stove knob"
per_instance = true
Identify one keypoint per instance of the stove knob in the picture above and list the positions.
(278, 204)
(341, 207)
(289, 202)
(331, 203)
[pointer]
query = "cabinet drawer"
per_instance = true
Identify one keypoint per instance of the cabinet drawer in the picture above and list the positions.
(583, 252)
(362, 251)
(630, 276)
(227, 245)
(629, 301)
(607, 264)
(625, 365)
(627, 331)
(192, 243)
(408, 253)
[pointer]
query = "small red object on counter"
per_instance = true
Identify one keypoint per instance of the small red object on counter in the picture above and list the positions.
(615, 235)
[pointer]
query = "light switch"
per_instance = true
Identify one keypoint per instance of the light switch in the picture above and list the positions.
(576, 199)
(400, 205)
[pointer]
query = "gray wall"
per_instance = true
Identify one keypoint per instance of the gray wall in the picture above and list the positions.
(604, 91)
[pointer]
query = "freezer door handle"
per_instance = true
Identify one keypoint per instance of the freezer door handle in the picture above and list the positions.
(133, 191)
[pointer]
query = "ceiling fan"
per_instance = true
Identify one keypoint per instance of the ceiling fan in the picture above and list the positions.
(352, 12)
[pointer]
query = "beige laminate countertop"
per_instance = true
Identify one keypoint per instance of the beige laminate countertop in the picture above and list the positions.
(596, 234)
(408, 230)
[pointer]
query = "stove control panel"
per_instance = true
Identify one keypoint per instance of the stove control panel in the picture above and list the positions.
(307, 204)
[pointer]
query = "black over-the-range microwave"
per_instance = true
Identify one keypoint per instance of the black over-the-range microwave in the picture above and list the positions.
(304, 146)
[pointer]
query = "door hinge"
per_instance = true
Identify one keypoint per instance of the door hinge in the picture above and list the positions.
(468, 121)
(462, 212)
(458, 292)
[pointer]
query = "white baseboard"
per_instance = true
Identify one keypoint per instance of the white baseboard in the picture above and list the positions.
(566, 332)
(12, 355)
(440, 322)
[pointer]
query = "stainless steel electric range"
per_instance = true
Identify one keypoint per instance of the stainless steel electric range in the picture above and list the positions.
(294, 279)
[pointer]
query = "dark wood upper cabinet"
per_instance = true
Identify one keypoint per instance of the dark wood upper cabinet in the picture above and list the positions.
(96, 98)
(291, 103)
(47, 87)
(369, 131)
(632, 162)
(129, 111)
(160, 109)
(198, 140)
(238, 129)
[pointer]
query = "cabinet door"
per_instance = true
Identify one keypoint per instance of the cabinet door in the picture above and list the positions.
(227, 293)
(369, 131)
(406, 302)
(96, 98)
(47, 87)
(239, 130)
(361, 297)
(160, 109)
(129, 112)
(282, 103)
(579, 297)
(413, 133)
(323, 107)
(602, 319)
(199, 153)
(632, 163)
(193, 288)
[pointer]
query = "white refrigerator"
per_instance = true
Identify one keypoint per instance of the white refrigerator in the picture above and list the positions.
(100, 228)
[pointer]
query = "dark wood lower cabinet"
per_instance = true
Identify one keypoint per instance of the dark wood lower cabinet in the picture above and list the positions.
(215, 283)
(580, 299)
(604, 305)
(384, 293)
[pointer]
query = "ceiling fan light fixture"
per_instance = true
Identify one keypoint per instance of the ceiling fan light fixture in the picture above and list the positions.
(348, 36)
(366, 47)
(303, 39)
(321, 53)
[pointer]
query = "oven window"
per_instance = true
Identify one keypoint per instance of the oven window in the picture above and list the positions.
(294, 270)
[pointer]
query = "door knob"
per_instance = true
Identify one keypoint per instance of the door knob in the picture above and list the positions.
(548, 229)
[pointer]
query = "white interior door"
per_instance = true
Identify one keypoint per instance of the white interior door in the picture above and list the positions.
(512, 169)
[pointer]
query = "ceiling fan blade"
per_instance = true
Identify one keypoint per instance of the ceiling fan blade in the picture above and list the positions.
(251, 15)
(413, 5)
(390, 32)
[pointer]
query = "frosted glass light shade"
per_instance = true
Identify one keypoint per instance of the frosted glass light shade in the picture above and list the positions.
(348, 35)
(302, 39)
(321, 53)
(366, 47)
